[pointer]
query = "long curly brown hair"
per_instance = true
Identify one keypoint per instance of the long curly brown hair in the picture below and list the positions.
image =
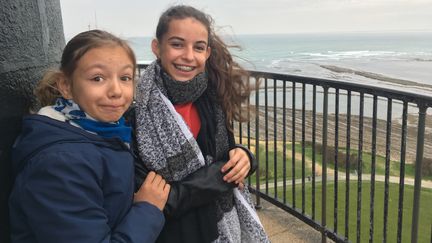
(225, 75)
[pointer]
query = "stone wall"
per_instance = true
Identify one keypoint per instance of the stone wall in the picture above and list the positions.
(31, 40)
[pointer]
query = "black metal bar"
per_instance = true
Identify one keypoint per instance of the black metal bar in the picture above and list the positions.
(359, 166)
(303, 147)
(387, 167)
(402, 170)
(257, 141)
(373, 166)
(418, 169)
(336, 147)
(313, 148)
(275, 138)
(284, 141)
(348, 167)
(324, 167)
(248, 125)
(240, 127)
(266, 135)
(293, 133)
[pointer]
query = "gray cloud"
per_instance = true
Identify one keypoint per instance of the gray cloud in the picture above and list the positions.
(139, 18)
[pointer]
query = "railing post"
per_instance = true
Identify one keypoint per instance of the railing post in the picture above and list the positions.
(359, 166)
(348, 167)
(324, 167)
(257, 155)
(402, 171)
(418, 169)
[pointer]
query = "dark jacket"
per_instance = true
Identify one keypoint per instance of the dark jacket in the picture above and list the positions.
(74, 186)
(191, 209)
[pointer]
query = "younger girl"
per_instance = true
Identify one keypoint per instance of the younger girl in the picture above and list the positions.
(186, 100)
(74, 169)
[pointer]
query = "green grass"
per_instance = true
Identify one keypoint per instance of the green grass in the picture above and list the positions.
(366, 163)
(424, 230)
(269, 173)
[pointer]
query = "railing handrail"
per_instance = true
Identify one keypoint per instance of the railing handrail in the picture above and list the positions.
(403, 95)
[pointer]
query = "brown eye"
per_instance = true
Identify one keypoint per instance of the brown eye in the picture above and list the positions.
(97, 78)
(200, 48)
(176, 45)
(126, 78)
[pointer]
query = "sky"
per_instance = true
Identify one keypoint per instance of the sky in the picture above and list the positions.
(131, 18)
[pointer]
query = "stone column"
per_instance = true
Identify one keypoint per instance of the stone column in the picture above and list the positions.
(31, 40)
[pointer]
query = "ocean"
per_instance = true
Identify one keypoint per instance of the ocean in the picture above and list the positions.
(400, 61)
(396, 60)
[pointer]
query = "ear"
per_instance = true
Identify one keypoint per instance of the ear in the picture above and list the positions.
(65, 87)
(155, 48)
(208, 53)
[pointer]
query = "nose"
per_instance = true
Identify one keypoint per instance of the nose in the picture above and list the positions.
(188, 53)
(115, 89)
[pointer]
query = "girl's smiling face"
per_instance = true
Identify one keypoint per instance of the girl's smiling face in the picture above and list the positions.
(183, 49)
(102, 83)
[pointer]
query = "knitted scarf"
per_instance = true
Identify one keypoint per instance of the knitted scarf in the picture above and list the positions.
(73, 113)
(167, 146)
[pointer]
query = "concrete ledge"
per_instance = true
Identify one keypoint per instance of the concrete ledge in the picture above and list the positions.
(283, 227)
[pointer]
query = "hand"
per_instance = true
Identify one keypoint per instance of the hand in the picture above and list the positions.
(154, 190)
(240, 164)
(241, 185)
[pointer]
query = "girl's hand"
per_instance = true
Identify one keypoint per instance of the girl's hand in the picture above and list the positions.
(240, 164)
(154, 190)
(241, 186)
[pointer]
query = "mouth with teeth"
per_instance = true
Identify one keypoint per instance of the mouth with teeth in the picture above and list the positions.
(184, 68)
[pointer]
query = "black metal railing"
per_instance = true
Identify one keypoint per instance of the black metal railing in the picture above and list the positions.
(345, 158)
(362, 123)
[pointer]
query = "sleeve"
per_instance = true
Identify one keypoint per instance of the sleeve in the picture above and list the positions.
(62, 197)
(197, 189)
(232, 145)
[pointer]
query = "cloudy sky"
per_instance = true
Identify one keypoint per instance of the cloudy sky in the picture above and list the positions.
(130, 18)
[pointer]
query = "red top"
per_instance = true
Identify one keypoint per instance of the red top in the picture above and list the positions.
(190, 115)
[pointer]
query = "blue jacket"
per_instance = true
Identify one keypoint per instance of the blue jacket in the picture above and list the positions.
(74, 186)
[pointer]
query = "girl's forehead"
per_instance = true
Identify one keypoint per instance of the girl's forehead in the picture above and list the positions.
(187, 26)
(103, 57)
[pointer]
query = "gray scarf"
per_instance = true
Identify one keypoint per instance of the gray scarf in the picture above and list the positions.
(167, 146)
(180, 92)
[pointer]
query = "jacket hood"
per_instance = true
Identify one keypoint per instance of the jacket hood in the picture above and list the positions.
(39, 132)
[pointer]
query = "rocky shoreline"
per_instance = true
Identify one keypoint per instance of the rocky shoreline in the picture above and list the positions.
(376, 76)
(381, 132)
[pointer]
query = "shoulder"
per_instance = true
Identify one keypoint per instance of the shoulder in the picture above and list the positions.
(63, 158)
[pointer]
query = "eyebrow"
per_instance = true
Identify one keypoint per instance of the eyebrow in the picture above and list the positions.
(181, 39)
(101, 66)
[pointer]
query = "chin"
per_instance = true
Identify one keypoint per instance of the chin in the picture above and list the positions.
(111, 119)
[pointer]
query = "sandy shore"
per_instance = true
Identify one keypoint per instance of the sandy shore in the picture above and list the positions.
(395, 141)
